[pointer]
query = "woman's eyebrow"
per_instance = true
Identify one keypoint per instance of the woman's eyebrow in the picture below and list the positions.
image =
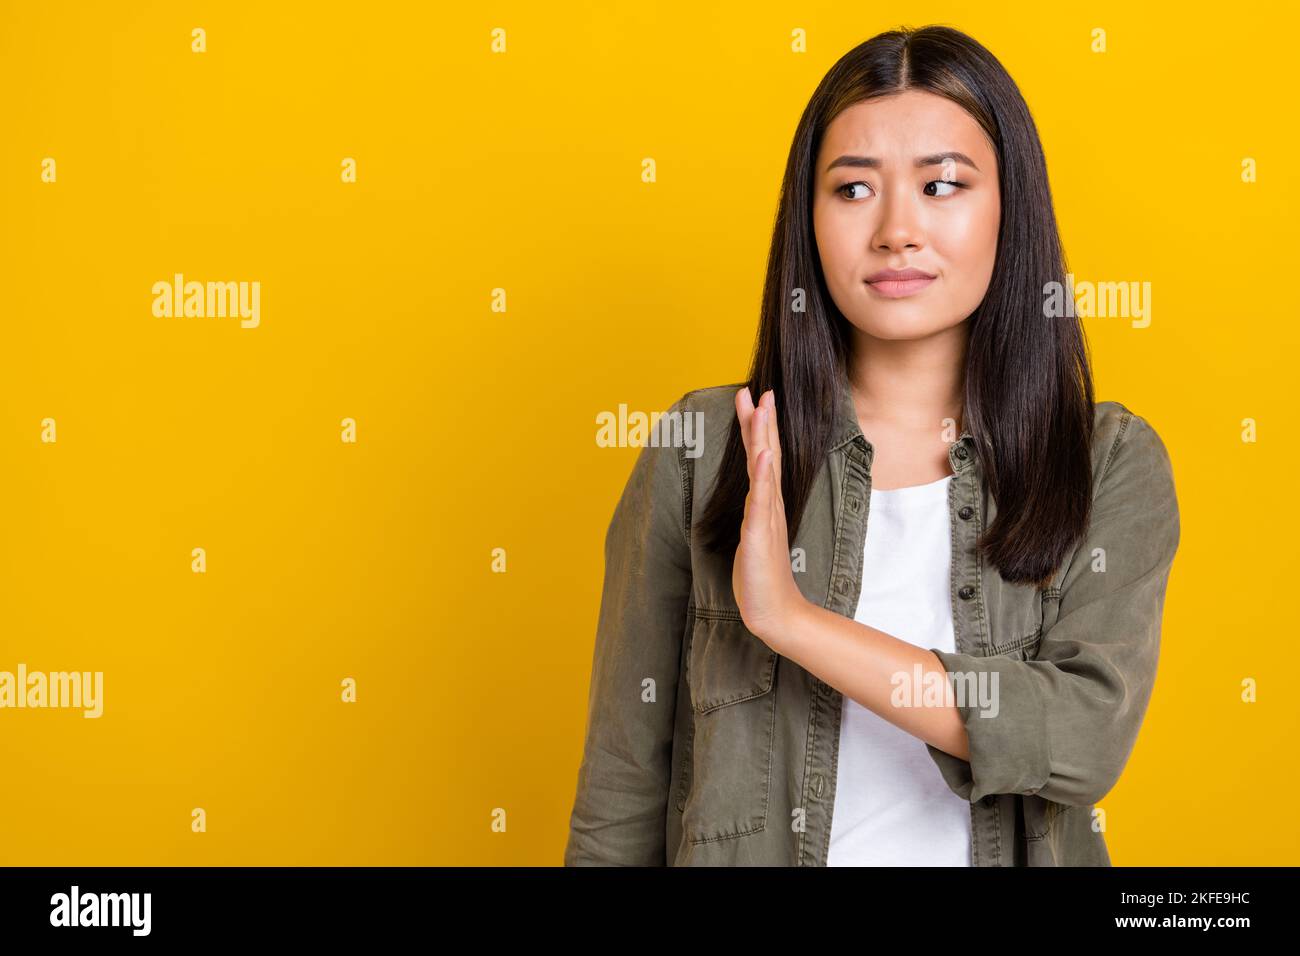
(936, 159)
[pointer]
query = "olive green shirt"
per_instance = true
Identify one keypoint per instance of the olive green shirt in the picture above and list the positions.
(705, 747)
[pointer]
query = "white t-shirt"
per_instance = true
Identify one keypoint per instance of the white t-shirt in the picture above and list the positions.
(892, 806)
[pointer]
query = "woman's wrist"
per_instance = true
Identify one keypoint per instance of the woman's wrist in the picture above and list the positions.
(793, 631)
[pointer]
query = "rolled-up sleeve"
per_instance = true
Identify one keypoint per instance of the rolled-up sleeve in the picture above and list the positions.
(619, 812)
(1066, 721)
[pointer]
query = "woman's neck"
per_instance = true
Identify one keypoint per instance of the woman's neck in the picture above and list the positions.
(910, 386)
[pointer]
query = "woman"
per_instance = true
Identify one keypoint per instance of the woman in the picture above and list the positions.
(959, 680)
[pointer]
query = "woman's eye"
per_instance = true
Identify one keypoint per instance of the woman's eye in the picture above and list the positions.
(944, 182)
(953, 186)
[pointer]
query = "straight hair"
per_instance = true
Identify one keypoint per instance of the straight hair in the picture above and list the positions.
(1028, 394)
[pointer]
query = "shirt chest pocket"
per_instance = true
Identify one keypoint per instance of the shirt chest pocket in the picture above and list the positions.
(1020, 620)
(731, 676)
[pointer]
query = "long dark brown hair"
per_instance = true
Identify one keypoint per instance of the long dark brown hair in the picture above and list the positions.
(1028, 396)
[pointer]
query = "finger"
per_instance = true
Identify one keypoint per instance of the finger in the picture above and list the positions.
(751, 501)
(758, 428)
(774, 437)
(760, 494)
(767, 404)
(744, 414)
(774, 478)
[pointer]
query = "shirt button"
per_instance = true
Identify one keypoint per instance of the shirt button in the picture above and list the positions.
(966, 593)
(961, 452)
(853, 504)
(966, 512)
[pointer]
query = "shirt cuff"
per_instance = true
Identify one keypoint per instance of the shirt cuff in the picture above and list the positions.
(1002, 707)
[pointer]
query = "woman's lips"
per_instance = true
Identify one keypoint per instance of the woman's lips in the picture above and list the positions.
(897, 288)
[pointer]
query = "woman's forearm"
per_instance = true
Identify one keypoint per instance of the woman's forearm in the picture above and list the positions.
(879, 672)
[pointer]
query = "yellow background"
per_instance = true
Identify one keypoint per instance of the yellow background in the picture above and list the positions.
(476, 428)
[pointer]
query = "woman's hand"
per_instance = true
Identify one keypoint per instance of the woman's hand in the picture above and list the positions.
(763, 582)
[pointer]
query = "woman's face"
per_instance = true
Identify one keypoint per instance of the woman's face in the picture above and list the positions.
(875, 208)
